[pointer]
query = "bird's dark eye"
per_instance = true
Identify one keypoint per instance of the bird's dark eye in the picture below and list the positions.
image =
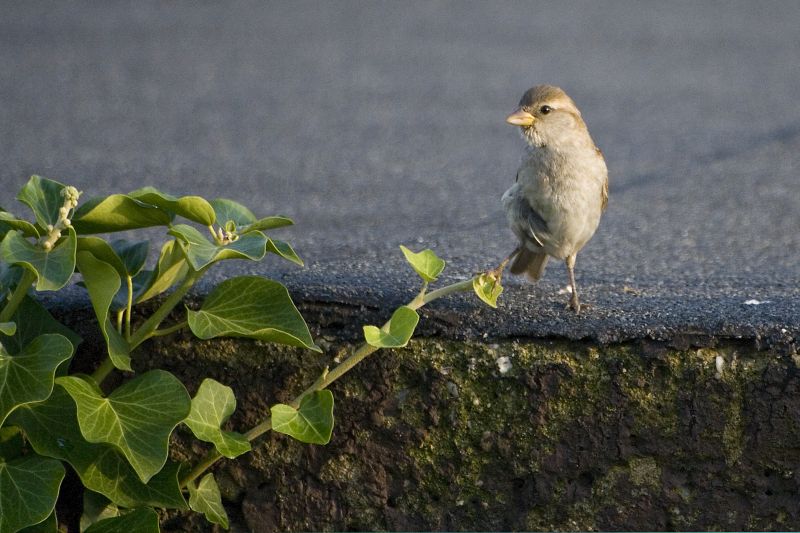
(545, 109)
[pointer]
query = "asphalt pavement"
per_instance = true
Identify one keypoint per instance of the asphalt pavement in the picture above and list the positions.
(375, 124)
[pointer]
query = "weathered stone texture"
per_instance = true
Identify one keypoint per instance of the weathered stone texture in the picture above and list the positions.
(568, 436)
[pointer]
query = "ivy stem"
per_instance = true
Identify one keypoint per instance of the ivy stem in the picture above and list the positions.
(101, 372)
(128, 308)
(461, 286)
(149, 326)
(171, 329)
(146, 330)
(18, 295)
(328, 377)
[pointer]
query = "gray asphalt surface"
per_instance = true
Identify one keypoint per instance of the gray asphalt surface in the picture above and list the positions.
(379, 124)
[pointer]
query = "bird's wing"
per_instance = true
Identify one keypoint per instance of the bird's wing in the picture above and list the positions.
(605, 195)
(531, 222)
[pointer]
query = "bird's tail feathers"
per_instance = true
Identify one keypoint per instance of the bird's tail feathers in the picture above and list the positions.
(529, 263)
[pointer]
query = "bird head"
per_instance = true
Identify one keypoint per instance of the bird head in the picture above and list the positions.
(546, 116)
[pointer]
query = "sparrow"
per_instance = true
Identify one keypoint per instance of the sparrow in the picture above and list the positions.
(561, 188)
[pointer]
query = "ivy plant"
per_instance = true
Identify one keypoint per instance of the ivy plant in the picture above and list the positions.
(117, 440)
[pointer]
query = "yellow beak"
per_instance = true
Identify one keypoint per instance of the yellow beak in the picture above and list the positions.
(520, 118)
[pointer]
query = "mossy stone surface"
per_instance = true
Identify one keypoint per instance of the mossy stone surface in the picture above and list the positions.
(513, 435)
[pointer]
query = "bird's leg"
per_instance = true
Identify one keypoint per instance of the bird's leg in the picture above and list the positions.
(573, 303)
(497, 272)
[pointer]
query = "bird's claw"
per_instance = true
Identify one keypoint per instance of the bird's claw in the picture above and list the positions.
(577, 306)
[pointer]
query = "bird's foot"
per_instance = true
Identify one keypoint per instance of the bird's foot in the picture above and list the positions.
(496, 273)
(577, 305)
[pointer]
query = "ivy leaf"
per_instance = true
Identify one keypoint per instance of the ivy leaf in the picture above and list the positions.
(10, 276)
(206, 499)
(118, 212)
(103, 251)
(48, 525)
(32, 321)
(28, 376)
(53, 269)
(213, 404)
(200, 252)
(284, 250)
(102, 281)
(28, 491)
(44, 198)
(312, 423)
(230, 211)
(132, 254)
(8, 328)
(171, 267)
(96, 507)
(244, 219)
(399, 331)
(137, 417)
(52, 429)
(267, 223)
(126, 257)
(142, 520)
(253, 307)
(12, 222)
(11, 443)
(194, 208)
(426, 263)
(487, 288)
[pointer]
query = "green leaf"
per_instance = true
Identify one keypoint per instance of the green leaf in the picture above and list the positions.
(53, 269)
(10, 276)
(32, 321)
(8, 328)
(103, 251)
(142, 520)
(12, 222)
(213, 404)
(102, 281)
(487, 288)
(171, 267)
(126, 257)
(206, 499)
(132, 254)
(44, 198)
(11, 443)
(230, 211)
(396, 333)
(426, 263)
(137, 418)
(28, 491)
(267, 223)
(312, 423)
(194, 208)
(48, 525)
(284, 250)
(117, 212)
(96, 507)
(253, 307)
(52, 429)
(200, 252)
(28, 376)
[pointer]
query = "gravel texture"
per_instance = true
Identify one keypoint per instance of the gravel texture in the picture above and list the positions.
(379, 124)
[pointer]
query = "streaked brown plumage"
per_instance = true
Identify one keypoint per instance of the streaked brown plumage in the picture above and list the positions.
(561, 188)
